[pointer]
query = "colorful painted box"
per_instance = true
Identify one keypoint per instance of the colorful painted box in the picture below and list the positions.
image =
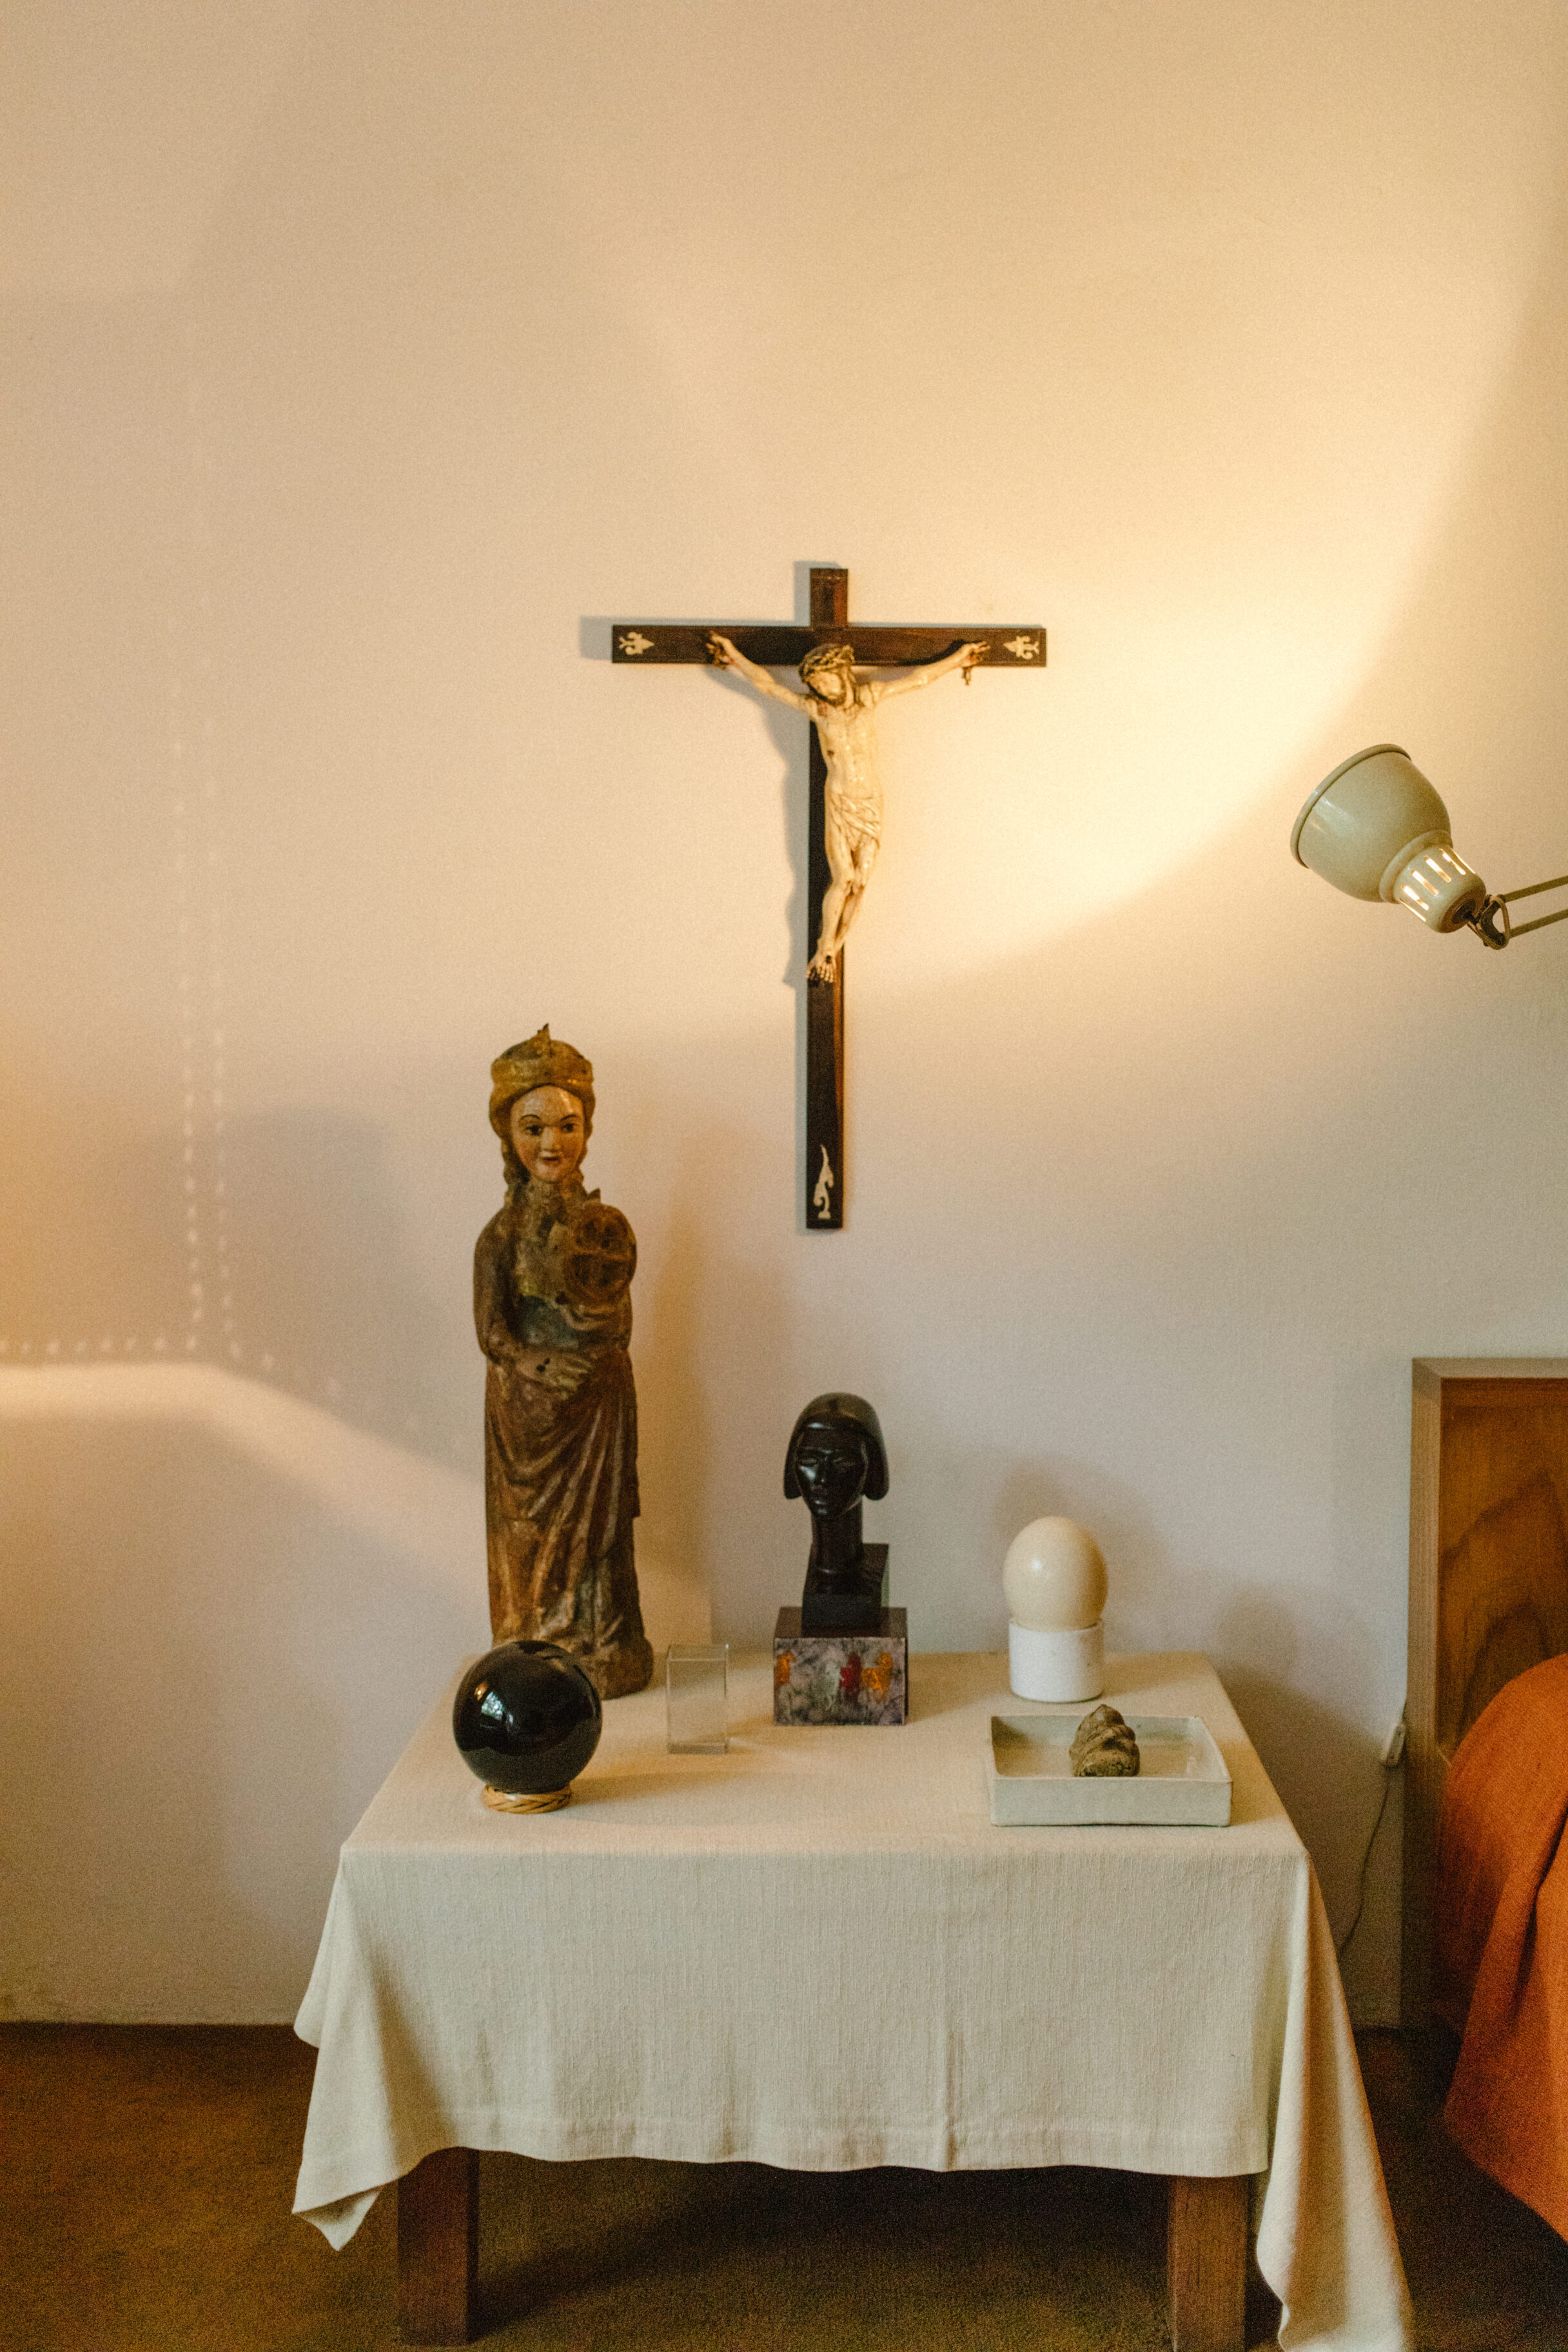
(841, 1678)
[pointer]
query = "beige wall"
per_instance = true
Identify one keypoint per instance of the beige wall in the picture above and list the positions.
(361, 361)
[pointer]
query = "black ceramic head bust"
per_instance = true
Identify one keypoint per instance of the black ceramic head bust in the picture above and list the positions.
(837, 1458)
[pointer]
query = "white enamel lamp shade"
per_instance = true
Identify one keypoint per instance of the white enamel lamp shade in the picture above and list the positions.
(1376, 829)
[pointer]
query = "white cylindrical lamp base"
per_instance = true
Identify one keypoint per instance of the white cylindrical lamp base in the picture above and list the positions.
(1055, 1664)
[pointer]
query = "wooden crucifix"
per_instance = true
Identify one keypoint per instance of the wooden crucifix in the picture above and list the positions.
(845, 798)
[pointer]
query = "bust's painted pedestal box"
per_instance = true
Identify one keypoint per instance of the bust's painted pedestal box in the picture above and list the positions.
(842, 1677)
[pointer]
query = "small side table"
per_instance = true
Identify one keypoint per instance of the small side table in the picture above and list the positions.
(1161, 2001)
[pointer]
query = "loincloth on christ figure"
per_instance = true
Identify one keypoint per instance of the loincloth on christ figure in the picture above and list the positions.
(851, 828)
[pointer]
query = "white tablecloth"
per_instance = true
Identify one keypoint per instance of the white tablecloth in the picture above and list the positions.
(817, 1951)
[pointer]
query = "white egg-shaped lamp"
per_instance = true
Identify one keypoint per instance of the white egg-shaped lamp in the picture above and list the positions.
(1054, 1577)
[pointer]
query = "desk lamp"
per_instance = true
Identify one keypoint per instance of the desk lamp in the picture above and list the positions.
(1376, 829)
(1054, 1577)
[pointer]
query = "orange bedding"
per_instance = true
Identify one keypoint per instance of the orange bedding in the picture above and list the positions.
(1501, 1973)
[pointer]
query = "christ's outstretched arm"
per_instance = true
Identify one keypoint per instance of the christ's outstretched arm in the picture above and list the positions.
(725, 655)
(911, 680)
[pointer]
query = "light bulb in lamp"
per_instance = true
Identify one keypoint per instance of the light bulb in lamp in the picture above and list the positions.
(1054, 1580)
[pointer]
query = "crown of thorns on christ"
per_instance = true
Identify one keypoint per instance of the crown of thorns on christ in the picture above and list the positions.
(839, 656)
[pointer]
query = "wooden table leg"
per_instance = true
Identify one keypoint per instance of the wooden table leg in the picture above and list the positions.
(1207, 2262)
(438, 2248)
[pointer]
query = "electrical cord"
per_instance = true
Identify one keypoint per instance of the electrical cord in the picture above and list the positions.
(1388, 1773)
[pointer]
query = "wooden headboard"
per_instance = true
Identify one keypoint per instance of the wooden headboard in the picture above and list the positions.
(1489, 1581)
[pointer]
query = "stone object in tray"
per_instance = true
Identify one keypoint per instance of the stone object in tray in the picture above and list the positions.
(1105, 1748)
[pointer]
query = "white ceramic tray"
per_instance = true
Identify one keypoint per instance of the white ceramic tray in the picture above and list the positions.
(1182, 1776)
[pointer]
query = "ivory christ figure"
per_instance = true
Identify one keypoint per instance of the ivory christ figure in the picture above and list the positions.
(553, 1272)
(841, 703)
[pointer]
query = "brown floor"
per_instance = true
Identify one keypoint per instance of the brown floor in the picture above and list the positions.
(148, 2173)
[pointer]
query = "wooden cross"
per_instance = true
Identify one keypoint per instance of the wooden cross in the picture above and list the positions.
(875, 647)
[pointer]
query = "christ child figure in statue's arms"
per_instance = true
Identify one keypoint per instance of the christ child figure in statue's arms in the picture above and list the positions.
(840, 701)
(549, 1135)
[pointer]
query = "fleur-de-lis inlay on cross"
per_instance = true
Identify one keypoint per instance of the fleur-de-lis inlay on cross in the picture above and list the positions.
(1024, 648)
(634, 643)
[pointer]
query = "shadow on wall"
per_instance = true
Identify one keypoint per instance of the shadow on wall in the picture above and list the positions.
(1327, 1770)
(226, 1615)
(336, 1313)
(674, 1441)
(1331, 1784)
(999, 1493)
(76, 1179)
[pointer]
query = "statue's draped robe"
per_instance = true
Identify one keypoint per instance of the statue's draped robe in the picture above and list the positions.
(561, 1483)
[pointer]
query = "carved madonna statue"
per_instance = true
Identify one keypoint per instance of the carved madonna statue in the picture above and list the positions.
(552, 1274)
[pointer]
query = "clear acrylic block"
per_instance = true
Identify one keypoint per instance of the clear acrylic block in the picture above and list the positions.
(697, 1690)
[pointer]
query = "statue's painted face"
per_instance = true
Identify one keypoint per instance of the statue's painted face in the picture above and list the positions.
(832, 1466)
(549, 1133)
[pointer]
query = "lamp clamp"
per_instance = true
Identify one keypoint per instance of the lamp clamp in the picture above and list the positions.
(1492, 923)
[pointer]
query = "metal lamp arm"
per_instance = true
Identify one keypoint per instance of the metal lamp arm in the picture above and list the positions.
(1493, 922)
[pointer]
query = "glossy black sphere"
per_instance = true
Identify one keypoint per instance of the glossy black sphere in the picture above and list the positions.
(527, 1718)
